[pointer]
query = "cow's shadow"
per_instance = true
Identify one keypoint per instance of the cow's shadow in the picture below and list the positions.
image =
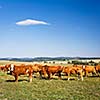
(93, 76)
(66, 79)
(20, 80)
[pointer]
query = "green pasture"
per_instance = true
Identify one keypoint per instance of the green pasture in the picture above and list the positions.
(54, 89)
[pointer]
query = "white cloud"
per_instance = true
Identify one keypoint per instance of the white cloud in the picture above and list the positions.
(31, 22)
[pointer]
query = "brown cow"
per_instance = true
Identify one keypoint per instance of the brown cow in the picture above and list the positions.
(73, 70)
(51, 70)
(89, 69)
(97, 68)
(37, 68)
(17, 70)
(2, 67)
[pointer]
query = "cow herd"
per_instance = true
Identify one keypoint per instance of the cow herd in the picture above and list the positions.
(47, 71)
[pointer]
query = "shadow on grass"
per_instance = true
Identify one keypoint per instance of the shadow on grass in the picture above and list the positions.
(93, 76)
(20, 80)
(66, 79)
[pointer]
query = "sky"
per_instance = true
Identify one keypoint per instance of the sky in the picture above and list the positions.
(49, 28)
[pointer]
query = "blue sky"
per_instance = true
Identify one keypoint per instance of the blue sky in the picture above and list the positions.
(35, 28)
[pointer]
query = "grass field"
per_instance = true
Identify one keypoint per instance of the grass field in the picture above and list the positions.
(54, 89)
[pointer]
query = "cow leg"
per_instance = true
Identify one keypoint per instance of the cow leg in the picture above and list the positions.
(68, 76)
(98, 73)
(30, 77)
(94, 73)
(45, 75)
(80, 76)
(86, 73)
(59, 75)
(49, 75)
(44, 72)
(40, 74)
(16, 78)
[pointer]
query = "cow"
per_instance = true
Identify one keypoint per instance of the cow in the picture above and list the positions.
(2, 68)
(97, 68)
(37, 68)
(51, 70)
(73, 70)
(17, 70)
(89, 69)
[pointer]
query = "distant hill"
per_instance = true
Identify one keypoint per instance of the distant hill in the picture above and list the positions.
(48, 58)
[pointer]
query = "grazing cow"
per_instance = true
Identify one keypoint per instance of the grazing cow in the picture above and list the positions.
(2, 67)
(51, 70)
(37, 68)
(73, 70)
(89, 69)
(17, 70)
(97, 68)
